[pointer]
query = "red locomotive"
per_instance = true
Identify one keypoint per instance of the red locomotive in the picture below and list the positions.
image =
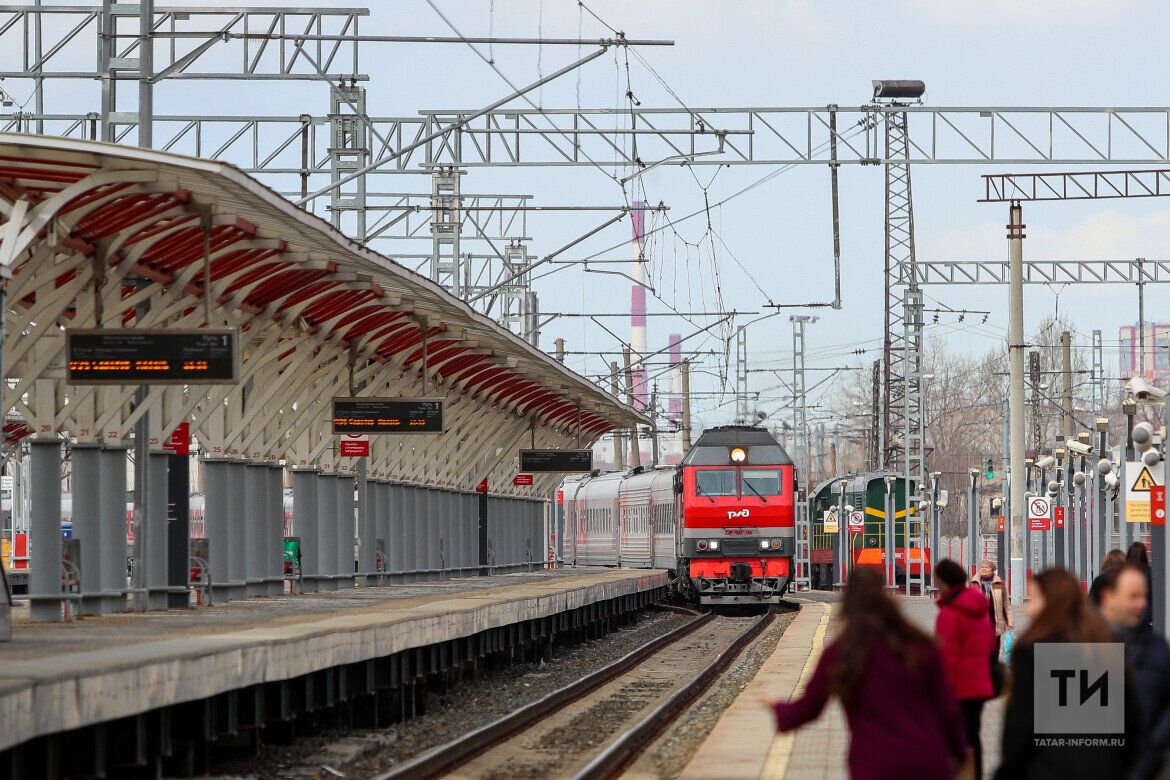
(723, 521)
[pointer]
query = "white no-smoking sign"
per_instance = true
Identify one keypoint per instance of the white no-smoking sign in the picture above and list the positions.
(1039, 514)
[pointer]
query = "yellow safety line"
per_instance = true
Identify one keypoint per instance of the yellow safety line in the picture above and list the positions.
(776, 764)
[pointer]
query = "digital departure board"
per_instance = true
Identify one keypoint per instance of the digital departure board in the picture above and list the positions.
(556, 460)
(133, 356)
(387, 415)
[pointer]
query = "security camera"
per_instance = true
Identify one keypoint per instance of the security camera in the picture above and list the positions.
(1143, 434)
(1104, 467)
(1151, 457)
(1045, 462)
(1111, 479)
(1142, 390)
(1079, 448)
(1079, 479)
(1053, 487)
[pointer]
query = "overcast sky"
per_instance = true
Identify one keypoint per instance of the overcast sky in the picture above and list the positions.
(990, 53)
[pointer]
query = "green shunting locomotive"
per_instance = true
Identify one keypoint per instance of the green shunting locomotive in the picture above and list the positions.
(865, 493)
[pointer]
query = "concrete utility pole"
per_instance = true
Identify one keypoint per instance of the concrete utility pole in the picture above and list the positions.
(1016, 400)
(685, 367)
(1064, 551)
(1066, 369)
(619, 446)
(635, 443)
(654, 425)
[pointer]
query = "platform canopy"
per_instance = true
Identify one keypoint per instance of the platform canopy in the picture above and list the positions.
(101, 235)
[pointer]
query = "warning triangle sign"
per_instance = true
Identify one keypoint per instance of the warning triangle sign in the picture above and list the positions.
(1144, 481)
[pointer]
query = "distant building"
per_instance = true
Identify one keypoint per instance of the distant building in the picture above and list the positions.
(1157, 351)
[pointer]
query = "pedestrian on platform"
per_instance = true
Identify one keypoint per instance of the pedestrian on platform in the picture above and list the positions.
(1124, 598)
(1059, 613)
(966, 640)
(1137, 555)
(1114, 559)
(888, 675)
(997, 600)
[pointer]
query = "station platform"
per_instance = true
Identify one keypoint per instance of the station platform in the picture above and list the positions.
(744, 743)
(57, 678)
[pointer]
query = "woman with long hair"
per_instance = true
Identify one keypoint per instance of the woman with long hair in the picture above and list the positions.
(1059, 613)
(888, 676)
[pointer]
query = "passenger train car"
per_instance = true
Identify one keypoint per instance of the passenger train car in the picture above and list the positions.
(722, 521)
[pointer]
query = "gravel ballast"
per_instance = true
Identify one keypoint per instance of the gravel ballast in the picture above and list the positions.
(467, 706)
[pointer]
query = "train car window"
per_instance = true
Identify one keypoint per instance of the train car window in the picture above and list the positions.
(715, 482)
(766, 482)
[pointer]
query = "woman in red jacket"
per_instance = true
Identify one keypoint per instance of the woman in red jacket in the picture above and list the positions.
(966, 639)
(903, 720)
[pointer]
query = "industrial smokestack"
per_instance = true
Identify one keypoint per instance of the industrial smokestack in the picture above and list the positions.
(638, 303)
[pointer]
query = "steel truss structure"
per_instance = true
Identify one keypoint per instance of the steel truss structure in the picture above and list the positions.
(1093, 185)
(306, 152)
(1138, 270)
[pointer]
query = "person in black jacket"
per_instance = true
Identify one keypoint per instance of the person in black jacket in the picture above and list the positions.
(1137, 555)
(1059, 613)
(1124, 599)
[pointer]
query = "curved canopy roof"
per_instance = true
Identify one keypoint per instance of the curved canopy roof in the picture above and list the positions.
(153, 229)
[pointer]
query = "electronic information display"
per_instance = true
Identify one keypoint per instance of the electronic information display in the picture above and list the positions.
(556, 460)
(387, 415)
(133, 356)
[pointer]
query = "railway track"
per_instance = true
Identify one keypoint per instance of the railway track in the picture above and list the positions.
(596, 726)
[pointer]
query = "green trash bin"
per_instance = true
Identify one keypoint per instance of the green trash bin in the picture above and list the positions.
(292, 556)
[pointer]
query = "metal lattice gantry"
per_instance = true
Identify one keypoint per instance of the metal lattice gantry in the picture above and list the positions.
(1075, 185)
(959, 272)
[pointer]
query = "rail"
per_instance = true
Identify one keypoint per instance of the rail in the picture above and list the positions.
(446, 757)
(610, 762)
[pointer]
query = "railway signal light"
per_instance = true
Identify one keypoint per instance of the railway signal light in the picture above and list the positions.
(989, 468)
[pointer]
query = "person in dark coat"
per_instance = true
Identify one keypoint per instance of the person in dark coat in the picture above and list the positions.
(1124, 600)
(1137, 555)
(966, 640)
(1059, 613)
(903, 719)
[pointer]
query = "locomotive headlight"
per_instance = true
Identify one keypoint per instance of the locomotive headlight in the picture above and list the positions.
(702, 544)
(738, 455)
(776, 544)
(713, 544)
(763, 544)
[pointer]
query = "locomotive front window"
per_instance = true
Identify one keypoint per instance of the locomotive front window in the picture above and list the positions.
(715, 482)
(764, 482)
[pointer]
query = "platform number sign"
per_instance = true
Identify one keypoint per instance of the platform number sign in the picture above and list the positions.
(1039, 514)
